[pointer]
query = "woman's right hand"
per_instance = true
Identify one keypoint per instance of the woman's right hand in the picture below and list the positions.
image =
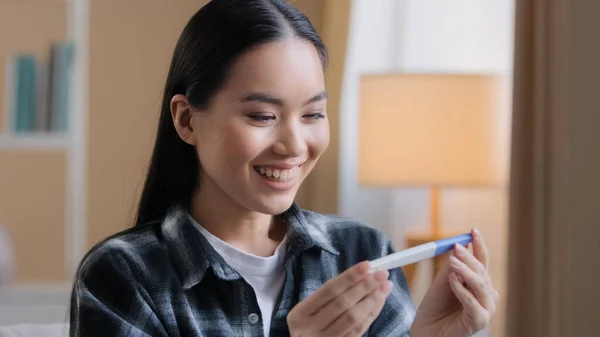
(344, 306)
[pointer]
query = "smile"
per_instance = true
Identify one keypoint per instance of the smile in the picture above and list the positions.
(276, 174)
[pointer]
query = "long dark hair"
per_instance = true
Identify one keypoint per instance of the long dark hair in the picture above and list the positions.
(211, 41)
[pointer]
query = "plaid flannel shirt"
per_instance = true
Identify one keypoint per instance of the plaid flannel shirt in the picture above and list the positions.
(165, 279)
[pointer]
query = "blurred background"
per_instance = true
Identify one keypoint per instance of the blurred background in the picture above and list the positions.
(445, 115)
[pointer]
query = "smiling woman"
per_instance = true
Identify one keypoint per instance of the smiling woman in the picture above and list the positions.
(219, 247)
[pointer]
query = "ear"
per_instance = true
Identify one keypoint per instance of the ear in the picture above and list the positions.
(181, 112)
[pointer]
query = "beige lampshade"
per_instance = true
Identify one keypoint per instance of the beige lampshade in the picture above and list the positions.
(428, 129)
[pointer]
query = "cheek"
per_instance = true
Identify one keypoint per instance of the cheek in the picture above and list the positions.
(232, 149)
(318, 140)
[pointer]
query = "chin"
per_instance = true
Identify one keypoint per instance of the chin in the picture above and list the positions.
(273, 205)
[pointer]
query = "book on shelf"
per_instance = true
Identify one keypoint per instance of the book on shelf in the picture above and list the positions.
(38, 91)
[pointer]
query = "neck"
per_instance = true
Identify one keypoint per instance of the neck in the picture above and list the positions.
(252, 232)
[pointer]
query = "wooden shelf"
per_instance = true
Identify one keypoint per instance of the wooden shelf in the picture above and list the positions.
(34, 141)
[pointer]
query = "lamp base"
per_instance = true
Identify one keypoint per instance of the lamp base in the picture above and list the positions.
(434, 212)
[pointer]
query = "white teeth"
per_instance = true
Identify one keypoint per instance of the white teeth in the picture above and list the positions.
(276, 174)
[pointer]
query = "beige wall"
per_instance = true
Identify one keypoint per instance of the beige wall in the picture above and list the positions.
(32, 207)
(32, 184)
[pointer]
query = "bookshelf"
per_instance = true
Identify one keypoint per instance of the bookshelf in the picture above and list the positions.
(70, 142)
(34, 141)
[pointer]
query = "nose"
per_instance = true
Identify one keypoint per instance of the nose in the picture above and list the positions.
(291, 142)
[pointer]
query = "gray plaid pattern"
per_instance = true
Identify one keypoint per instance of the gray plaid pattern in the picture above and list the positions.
(165, 279)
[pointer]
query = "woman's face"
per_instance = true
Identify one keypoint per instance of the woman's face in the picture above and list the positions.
(265, 129)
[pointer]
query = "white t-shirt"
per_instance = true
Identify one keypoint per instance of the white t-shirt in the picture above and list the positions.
(264, 274)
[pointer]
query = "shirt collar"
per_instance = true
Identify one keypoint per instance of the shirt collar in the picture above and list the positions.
(193, 255)
(307, 230)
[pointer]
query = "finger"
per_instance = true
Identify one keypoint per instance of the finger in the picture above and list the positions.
(466, 257)
(480, 250)
(475, 317)
(337, 307)
(471, 261)
(333, 288)
(361, 328)
(354, 317)
(477, 284)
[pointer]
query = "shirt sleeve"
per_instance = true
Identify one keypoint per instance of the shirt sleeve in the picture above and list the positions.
(108, 301)
(399, 311)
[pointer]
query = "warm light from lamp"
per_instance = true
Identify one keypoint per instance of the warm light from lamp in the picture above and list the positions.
(428, 130)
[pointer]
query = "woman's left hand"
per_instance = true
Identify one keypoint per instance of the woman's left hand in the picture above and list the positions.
(461, 299)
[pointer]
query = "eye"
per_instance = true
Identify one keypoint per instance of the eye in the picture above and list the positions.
(262, 118)
(316, 115)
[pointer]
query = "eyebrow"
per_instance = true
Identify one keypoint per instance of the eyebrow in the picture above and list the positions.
(271, 99)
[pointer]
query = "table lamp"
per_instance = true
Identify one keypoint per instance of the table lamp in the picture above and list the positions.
(428, 130)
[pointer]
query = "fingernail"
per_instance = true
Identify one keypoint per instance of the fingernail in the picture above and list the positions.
(476, 231)
(458, 249)
(454, 261)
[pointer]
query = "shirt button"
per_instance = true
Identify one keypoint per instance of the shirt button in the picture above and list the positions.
(253, 318)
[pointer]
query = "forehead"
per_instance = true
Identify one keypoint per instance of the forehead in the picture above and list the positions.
(290, 68)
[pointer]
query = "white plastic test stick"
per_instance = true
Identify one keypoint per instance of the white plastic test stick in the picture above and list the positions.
(419, 253)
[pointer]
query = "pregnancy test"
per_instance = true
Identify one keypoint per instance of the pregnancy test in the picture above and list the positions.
(419, 253)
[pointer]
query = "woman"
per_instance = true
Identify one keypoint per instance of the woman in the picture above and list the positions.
(219, 248)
